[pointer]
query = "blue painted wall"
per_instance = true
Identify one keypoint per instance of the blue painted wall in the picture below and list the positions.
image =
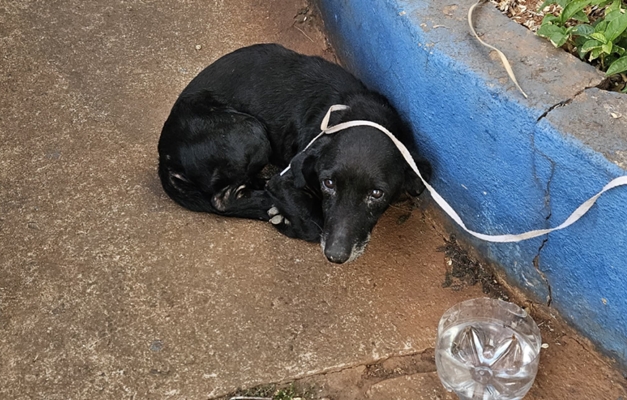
(501, 169)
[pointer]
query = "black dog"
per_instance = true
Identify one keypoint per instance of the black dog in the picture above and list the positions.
(210, 156)
(263, 104)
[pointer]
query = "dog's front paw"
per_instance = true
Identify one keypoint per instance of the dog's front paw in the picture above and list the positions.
(276, 218)
(273, 211)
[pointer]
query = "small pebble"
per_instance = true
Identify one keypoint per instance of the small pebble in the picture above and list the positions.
(198, 47)
(545, 345)
(156, 346)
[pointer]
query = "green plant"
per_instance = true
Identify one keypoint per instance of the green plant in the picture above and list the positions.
(288, 393)
(601, 40)
(273, 392)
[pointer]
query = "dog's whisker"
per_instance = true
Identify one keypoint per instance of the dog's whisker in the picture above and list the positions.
(318, 225)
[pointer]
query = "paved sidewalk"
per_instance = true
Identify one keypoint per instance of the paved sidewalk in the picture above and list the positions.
(108, 290)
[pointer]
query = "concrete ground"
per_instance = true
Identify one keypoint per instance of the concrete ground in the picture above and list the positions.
(108, 290)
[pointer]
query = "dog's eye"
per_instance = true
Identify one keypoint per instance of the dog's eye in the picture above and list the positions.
(376, 193)
(329, 183)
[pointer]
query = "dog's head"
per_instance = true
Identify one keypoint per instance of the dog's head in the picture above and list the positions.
(358, 172)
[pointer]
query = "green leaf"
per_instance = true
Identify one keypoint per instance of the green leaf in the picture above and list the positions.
(558, 39)
(546, 30)
(572, 8)
(619, 50)
(583, 30)
(580, 40)
(610, 16)
(617, 66)
(581, 17)
(599, 36)
(549, 19)
(607, 48)
(600, 25)
(595, 53)
(582, 54)
(556, 34)
(615, 6)
(616, 27)
(590, 45)
(562, 3)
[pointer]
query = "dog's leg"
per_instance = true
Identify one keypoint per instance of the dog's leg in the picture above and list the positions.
(238, 201)
(295, 212)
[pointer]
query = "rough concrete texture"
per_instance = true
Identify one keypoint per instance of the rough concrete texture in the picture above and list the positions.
(505, 163)
(588, 116)
(108, 290)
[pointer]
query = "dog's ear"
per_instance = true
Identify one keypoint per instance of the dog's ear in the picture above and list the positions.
(304, 164)
(413, 184)
(302, 167)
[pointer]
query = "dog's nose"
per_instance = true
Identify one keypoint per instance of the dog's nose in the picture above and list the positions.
(336, 255)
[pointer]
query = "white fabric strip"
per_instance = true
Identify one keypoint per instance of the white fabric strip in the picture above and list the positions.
(578, 213)
(323, 129)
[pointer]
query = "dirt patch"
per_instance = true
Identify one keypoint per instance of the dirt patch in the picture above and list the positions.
(525, 12)
(401, 366)
(304, 34)
(462, 271)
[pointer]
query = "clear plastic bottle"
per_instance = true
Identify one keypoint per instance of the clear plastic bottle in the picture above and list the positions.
(487, 349)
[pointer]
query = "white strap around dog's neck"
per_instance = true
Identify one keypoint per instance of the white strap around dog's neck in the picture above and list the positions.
(325, 130)
(578, 213)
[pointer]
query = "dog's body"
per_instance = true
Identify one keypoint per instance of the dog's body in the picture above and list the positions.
(263, 104)
(210, 154)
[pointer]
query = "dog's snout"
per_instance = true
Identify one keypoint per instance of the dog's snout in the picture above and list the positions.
(343, 240)
(336, 242)
(337, 254)
(338, 245)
